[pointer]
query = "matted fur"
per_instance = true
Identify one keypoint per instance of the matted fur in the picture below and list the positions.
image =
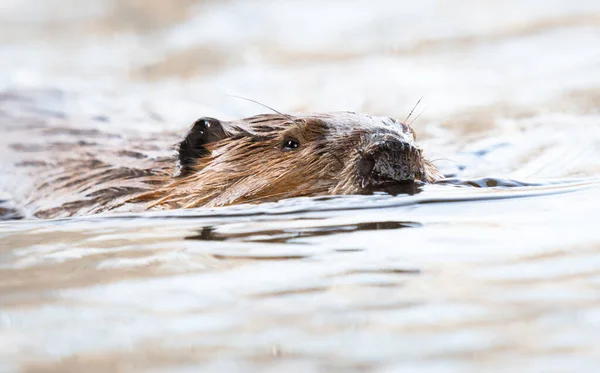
(250, 165)
(76, 172)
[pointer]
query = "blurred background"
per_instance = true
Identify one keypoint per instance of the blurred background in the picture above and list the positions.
(482, 67)
(509, 89)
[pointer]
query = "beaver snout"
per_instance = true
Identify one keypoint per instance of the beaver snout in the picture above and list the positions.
(390, 161)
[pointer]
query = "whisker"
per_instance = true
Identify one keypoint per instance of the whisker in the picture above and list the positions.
(447, 159)
(263, 105)
(417, 117)
(413, 109)
(337, 158)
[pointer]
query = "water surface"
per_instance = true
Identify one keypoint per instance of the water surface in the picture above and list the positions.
(496, 269)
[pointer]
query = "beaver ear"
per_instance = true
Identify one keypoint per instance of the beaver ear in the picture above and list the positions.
(204, 131)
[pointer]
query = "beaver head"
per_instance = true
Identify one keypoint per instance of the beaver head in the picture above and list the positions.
(275, 156)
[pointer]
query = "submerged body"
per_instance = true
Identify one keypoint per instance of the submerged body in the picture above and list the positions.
(262, 158)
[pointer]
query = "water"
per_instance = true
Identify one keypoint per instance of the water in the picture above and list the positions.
(495, 269)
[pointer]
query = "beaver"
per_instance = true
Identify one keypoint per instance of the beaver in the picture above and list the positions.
(266, 157)
(273, 156)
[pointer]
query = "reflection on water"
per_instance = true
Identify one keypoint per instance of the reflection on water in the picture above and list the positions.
(495, 269)
(310, 286)
(283, 236)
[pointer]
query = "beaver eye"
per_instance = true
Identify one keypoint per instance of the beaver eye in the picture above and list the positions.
(290, 144)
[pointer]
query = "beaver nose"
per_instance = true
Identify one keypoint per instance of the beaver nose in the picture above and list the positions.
(390, 161)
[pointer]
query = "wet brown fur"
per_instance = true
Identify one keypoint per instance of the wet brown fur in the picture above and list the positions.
(91, 172)
(252, 167)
